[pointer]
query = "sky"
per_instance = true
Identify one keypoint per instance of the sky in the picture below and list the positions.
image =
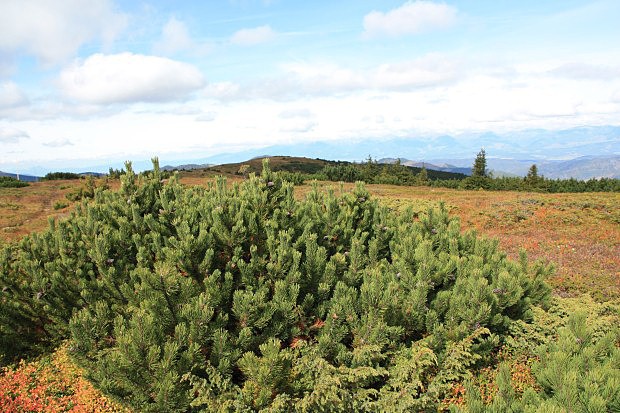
(94, 82)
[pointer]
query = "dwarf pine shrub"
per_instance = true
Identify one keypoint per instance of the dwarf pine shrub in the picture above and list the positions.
(578, 372)
(240, 298)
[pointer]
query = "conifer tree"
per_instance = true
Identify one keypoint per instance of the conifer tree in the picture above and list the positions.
(532, 174)
(479, 177)
(532, 179)
(422, 176)
(480, 165)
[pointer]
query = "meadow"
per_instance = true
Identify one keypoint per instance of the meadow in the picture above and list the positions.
(578, 233)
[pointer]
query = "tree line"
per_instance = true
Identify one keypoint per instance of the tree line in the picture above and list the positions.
(397, 174)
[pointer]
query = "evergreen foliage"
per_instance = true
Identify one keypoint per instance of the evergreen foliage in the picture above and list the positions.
(422, 177)
(532, 178)
(580, 372)
(397, 174)
(375, 173)
(479, 178)
(115, 173)
(86, 191)
(240, 298)
(9, 182)
(54, 176)
(480, 165)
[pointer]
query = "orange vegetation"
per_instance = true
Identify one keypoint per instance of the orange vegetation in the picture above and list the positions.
(51, 384)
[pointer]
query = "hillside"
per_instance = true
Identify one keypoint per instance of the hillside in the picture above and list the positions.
(277, 163)
(26, 178)
(296, 164)
(586, 167)
(429, 166)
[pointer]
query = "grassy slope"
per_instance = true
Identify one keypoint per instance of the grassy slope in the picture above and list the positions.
(579, 232)
(24, 210)
(294, 164)
(277, 163)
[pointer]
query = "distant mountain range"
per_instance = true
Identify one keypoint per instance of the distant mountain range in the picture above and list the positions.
(530, 145)
(32, 178)
(444, 167)
(25, 178)
(582, 152)
(186, 167)
(584, 167)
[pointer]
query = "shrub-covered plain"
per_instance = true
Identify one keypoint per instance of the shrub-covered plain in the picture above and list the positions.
(242, 298)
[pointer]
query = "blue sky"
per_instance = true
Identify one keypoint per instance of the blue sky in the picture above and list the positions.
(89, 82)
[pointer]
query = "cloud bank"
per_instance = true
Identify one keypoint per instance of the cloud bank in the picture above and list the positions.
(11, 96)
(12, 135)
(53, 31)
(254, 36)
(410, 18)
(127, 78)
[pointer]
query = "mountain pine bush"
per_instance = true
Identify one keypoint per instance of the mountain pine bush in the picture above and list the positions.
(9, 182)
(578, 372)
(240, 298)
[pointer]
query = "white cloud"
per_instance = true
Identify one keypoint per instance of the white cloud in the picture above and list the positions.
(222, 90)
(299, 127)
(12, 135)
(58, 143)
(175, 38)
(256, 35)
(54, 30)
(320, 79)
(206, 117)
(410, 18)
(430, 70)
(579, 70)
(127, 77)
(296, 113)
(11, 96)
(7, 65)
(324, 79)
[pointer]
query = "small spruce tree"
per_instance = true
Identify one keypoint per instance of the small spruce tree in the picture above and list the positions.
(422, 176)
(479, 177)
(480, 165)
(532, 179)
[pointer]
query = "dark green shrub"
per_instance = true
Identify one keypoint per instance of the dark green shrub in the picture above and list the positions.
(86, 191)
(578, 372)
(295, 178)
(8, 182)
(54, 176)
(60, 205)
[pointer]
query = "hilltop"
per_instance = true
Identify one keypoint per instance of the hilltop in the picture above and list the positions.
(298, 164)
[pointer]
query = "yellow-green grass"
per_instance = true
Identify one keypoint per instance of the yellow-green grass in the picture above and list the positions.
(24, 210)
